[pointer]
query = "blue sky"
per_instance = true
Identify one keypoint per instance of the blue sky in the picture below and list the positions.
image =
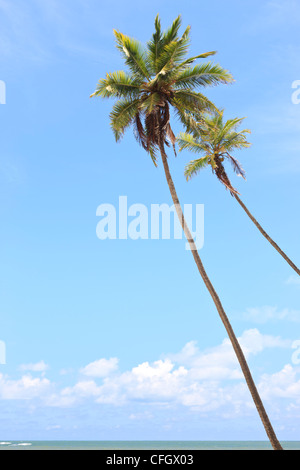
(119, 339)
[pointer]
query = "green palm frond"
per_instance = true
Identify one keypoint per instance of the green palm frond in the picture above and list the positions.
(155, 46)
(133, 53)
(236, 140)
(202, 75)
(188, 142)
(117, 84)
(173, 53)
(122, 115)
(186, 63)
(152, 152)
(171, 33)
(232, 124)
(195, 166)
(185, 117)
(193, 101)
(148, 104)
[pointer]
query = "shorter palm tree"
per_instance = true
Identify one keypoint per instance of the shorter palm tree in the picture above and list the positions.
(216, 140)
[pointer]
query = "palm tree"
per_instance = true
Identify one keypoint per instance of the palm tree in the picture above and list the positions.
(217, 140)
(161, 78)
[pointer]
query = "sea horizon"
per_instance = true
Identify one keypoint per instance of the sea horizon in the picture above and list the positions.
(142, 445)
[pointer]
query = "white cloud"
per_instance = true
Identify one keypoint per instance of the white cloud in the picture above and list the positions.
(201, 380)
(37, 367)
(84, 389)
(101, 367)
(283, 384)
(220, 362)
(271, 313)
(253, 342)
(25, 388)
(293, 280)
(213, 364)
(53, 427)
(141, 416)
(58, 400)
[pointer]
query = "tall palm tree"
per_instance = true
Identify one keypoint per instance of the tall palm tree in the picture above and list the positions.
(217, 140)
(161, 78)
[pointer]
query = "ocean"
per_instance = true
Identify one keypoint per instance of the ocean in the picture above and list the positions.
(144, 445)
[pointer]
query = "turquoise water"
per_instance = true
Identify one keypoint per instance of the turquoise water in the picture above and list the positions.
(144, 445)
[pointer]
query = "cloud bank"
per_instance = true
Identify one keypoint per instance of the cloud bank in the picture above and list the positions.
(200, 380)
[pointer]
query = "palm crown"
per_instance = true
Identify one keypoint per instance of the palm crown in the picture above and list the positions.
(216, 139)
(159, 76)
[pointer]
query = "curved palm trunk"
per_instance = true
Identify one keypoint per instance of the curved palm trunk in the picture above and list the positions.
(287, 259)
(239, 353)
(222, 176)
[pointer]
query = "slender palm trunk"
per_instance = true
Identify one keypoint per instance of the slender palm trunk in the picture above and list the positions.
(222, 175)
(287, 259)
(239, 353)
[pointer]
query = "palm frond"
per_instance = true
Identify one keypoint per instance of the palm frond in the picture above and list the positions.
(185, 117)
(189, 142)
(232, 124)
(122, 115)
(160, 41)
(237, 166)
(173, 53)
(193, 101)
(142, 138)
(236, 140)
(171, 33)
(155, 46)
(152, 152)
(186, 63)
(170, 136)
(152, 131)
(117, 84)
(133, 53)
(139, 131)
(202, 75)
(150, 102)
(193, 167)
